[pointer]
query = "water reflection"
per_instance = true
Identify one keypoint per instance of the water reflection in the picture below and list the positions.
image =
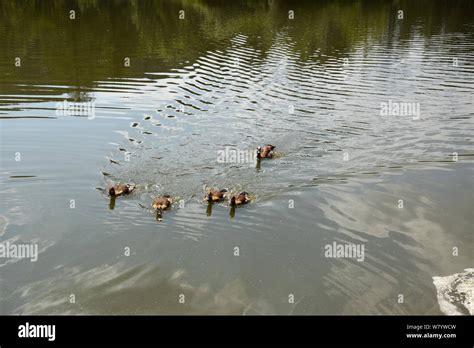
(141, 30)
(112, 203)
(209, 208)
(235, 75)
(232, 211)
(114, 286)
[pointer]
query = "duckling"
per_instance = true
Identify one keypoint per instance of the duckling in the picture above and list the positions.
(161, 203)
(216, 196)
(121, 189)
(265, 151)
(239, 199)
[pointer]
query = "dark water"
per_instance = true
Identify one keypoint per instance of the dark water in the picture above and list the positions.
(235, 75)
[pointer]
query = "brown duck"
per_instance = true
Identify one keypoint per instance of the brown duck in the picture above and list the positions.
(121, 189)
(239, 199)
(216, 196)
(265, 151)
(161, 203)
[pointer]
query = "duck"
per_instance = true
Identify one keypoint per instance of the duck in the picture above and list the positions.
(161, 203)
(265, 151)
(241, 198)
(121, 189)
(216, 196)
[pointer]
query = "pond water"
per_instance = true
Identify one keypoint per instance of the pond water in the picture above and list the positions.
(371, 111)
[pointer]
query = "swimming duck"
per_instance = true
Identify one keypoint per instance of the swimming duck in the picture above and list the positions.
(161, 203)
(121, 189)
(265, 151)
(216, 196)
(239, 199)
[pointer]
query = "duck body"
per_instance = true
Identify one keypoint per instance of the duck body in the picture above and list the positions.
(121, 189)
(241, 198)
(216, 196)
(161, 203)
(265, 151)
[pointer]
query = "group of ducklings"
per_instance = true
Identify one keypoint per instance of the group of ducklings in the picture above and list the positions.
(218, 196)
(213, 196)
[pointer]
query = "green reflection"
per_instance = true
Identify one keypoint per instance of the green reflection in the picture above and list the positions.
(56, 50)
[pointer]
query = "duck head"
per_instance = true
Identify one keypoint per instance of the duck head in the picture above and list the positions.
(209, 197)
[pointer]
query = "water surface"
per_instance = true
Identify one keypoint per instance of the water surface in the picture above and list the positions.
(235, 75)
